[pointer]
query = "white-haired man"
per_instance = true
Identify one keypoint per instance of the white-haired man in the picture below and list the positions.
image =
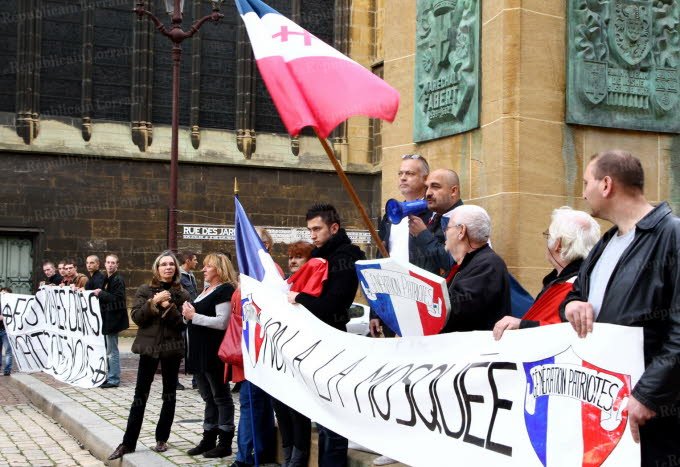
(569, 239)
(480, 289)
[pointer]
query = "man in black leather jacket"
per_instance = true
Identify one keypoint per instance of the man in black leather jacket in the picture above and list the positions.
(632, 278)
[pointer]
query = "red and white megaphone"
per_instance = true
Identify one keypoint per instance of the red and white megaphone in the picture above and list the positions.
(396, 211)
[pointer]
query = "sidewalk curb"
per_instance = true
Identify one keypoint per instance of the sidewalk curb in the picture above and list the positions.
(94, 433)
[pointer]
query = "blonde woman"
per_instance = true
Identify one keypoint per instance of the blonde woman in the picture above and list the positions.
(159, 340)
(207, 319)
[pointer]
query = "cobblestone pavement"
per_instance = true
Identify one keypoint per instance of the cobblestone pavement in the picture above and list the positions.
(113, 405)
(29, 437)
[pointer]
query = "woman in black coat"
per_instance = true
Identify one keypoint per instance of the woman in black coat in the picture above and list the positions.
(159, 340)
(207, 318)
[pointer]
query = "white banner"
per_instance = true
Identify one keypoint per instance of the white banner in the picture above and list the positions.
(58, 331)
(539, 396)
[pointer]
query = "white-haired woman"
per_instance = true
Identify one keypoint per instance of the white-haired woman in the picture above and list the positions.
(156, 312)
(569, 239)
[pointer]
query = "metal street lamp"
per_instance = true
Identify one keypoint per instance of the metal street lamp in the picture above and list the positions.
(177, 36)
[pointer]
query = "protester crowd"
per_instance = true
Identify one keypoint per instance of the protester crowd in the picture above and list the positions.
(629, 276)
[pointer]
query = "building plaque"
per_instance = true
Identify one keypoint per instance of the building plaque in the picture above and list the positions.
(279, 234)
(446, 100)
(623, 64)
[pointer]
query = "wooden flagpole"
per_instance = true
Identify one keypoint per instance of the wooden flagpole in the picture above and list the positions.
(352, 194)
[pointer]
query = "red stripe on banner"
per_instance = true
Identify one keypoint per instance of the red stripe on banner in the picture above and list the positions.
(598, 441)
(431, 324)
(322, 92)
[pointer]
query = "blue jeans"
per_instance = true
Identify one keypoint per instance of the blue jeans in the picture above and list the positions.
(5, 350)
(261, 437)
(332, 448)
(113, 358)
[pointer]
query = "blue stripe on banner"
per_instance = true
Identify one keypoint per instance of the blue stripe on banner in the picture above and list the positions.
(255, 6)
(382, 305)
(248, 244)
(537, 423)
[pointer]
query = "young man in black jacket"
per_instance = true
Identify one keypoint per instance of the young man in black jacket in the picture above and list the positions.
(331, 307)
(632, 278)
(114, 316)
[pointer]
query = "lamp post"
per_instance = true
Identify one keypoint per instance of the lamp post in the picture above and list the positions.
(177, 36)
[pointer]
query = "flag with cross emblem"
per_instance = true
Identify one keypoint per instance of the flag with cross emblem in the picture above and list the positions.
(310, 82)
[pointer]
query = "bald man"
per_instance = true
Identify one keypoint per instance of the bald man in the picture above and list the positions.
(443, 196)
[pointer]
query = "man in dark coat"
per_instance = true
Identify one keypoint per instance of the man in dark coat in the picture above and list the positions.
(331, 307)
(632, 277)
(95, 278)
(52, 277)
(114, 316)
(480, 289)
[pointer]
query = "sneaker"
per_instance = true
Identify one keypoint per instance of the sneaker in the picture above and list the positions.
(180, 386)
(383, 460)
(107, 385)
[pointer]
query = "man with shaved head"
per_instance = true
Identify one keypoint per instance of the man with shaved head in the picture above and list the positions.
(442, 195)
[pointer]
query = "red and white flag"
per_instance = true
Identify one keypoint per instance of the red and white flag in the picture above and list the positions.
(310, 82)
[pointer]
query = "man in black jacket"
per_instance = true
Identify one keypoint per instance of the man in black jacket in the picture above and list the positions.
(632, 277)
(443, 196)
(331, 307)
(480, 289)
(114, 317)
(95, 278)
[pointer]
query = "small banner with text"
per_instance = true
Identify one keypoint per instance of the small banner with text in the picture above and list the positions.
(58, 331)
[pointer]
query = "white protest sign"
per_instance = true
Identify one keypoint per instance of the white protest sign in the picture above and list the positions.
(537, 397)
(58, 331)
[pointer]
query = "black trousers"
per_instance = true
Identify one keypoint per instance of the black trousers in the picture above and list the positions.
(660, 439)
(145, 374)
(295, 428)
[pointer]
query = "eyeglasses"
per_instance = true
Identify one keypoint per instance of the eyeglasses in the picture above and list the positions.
(416, 157)
(546, 234)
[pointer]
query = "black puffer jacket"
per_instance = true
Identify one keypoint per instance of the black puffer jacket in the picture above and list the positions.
(341, 287)
(644, 290)
(160, 329)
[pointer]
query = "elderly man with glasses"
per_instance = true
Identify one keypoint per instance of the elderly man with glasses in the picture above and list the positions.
(480, 288)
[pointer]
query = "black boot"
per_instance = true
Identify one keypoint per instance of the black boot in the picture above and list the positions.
(208, 442)
(287, 452)
(299, 458)
(223, 448)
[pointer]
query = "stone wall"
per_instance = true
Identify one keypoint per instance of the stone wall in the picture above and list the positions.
(524, 160)
(95, 205)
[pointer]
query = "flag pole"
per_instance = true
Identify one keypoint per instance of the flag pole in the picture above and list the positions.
(353, 194)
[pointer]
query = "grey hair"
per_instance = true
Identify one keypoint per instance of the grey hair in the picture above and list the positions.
(578, 231)
(476, 220)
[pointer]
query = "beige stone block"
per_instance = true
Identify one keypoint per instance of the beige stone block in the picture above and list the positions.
(398, 76)
(547, 7)
(542, 73)
(504, 212)
(400, 39)
(494, 162)
(669, 170)
(510, 72)
(643, 145)
(492, 8)
(491, 69)
(548, 162)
